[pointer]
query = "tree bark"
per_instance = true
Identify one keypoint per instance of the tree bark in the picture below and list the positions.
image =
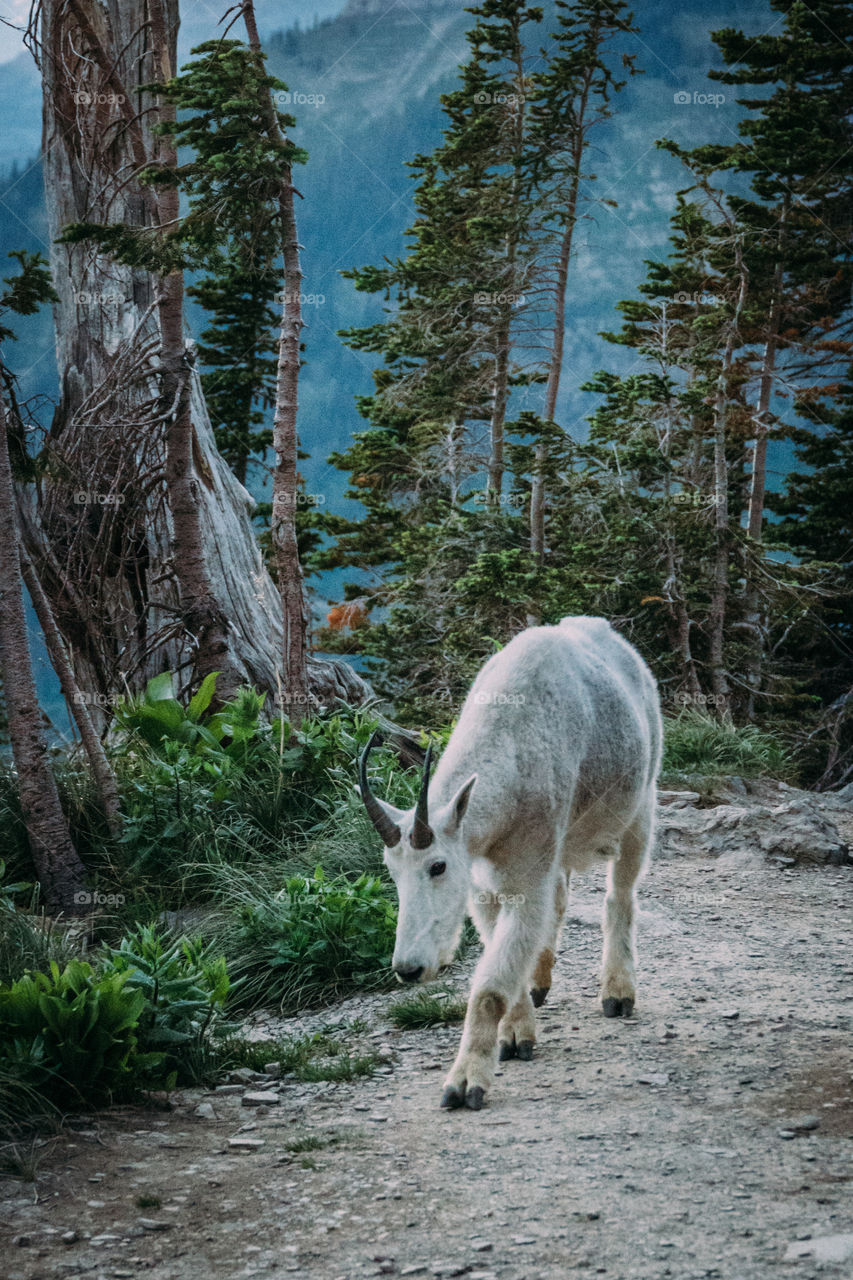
(58, 866)
(200, 611)
(105, 779)
(294, 694)
(758, 481)
(718, 610)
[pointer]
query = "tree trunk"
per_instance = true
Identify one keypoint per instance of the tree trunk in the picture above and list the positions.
(57, 864)
(101, 534)
(105, 779)
(758, 482)
(294, 694)
(555, 363)
(720, 579)
(200, 611)
(498, 415)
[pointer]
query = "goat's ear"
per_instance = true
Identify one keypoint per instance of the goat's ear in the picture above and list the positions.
(454, 812)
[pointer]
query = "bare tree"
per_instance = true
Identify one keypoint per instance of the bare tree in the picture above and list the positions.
(285, 437)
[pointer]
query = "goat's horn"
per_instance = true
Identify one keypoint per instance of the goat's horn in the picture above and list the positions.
(422, 834)
(388, 830)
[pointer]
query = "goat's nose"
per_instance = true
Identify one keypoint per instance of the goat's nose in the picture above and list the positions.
(411, 974)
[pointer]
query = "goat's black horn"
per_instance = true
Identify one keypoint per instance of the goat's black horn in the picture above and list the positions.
(422, 833)
(388, 830)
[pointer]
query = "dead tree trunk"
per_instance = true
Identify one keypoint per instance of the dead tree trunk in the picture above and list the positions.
(58, 867)
(294, 693)
(105, 779)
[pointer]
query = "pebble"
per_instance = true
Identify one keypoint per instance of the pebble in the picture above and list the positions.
(205, 1111)
(823, 1249)
(731, 1014)
(261, 1098)
(153, 1224)
(69, 1237)
(655, 1078)
(245, 1144)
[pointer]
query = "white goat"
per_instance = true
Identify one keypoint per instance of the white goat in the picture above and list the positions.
(551, 767)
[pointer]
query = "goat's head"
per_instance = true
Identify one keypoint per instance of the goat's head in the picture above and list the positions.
(428, 861)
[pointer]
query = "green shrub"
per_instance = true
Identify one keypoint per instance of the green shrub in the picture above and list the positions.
(699, 744)
(184, 990)
(308, 942)
(70, 1033)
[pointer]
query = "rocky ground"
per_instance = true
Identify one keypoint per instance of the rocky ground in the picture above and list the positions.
(709, 1136)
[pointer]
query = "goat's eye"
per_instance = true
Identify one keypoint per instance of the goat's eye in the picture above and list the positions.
(437, 869)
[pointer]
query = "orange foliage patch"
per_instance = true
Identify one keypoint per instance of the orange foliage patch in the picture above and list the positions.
(346, 615)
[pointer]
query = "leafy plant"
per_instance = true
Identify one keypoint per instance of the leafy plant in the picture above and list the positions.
(320, 1055)
(184, 989)
(70, 1033)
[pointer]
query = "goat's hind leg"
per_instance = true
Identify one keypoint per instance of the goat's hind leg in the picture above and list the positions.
(541, 979)
(618, 992)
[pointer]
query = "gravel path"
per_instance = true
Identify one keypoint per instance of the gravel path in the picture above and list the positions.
(709, 1136)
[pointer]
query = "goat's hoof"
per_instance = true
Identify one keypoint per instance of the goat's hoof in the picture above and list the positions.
(474, 1098)
(613, 1007)
(538, 995)
(524, 1050)
(506, 1051)
(453, 1098)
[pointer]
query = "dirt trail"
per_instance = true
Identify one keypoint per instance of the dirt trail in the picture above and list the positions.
(703, 1138)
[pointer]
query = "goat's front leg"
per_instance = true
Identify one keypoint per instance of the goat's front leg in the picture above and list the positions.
(499, 981)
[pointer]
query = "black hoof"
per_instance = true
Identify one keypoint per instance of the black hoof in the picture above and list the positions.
(615, 1008)
(453, 1098)
(538, 995)
(524, 1051)
(474, 1098)
(506, 1051)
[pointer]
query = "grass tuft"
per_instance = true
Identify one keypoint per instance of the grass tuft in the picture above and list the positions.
(698, 745)
(428, 1008)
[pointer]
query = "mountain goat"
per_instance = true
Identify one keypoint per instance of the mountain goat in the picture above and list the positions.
(550, 768)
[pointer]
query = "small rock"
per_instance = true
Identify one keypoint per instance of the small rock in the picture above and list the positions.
(823, 1249)
(731, 1014)
(154, 1224)
(23, 1242)
(273, 1070)
(69, 1237)
(245, 1144)
(481, 1246)
(655, 1078)
(243, 1075)
(787, 1134)
(261, 1098)
(524, 1240)
(417, 1270)
(205, 1111)
(804, 1124)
